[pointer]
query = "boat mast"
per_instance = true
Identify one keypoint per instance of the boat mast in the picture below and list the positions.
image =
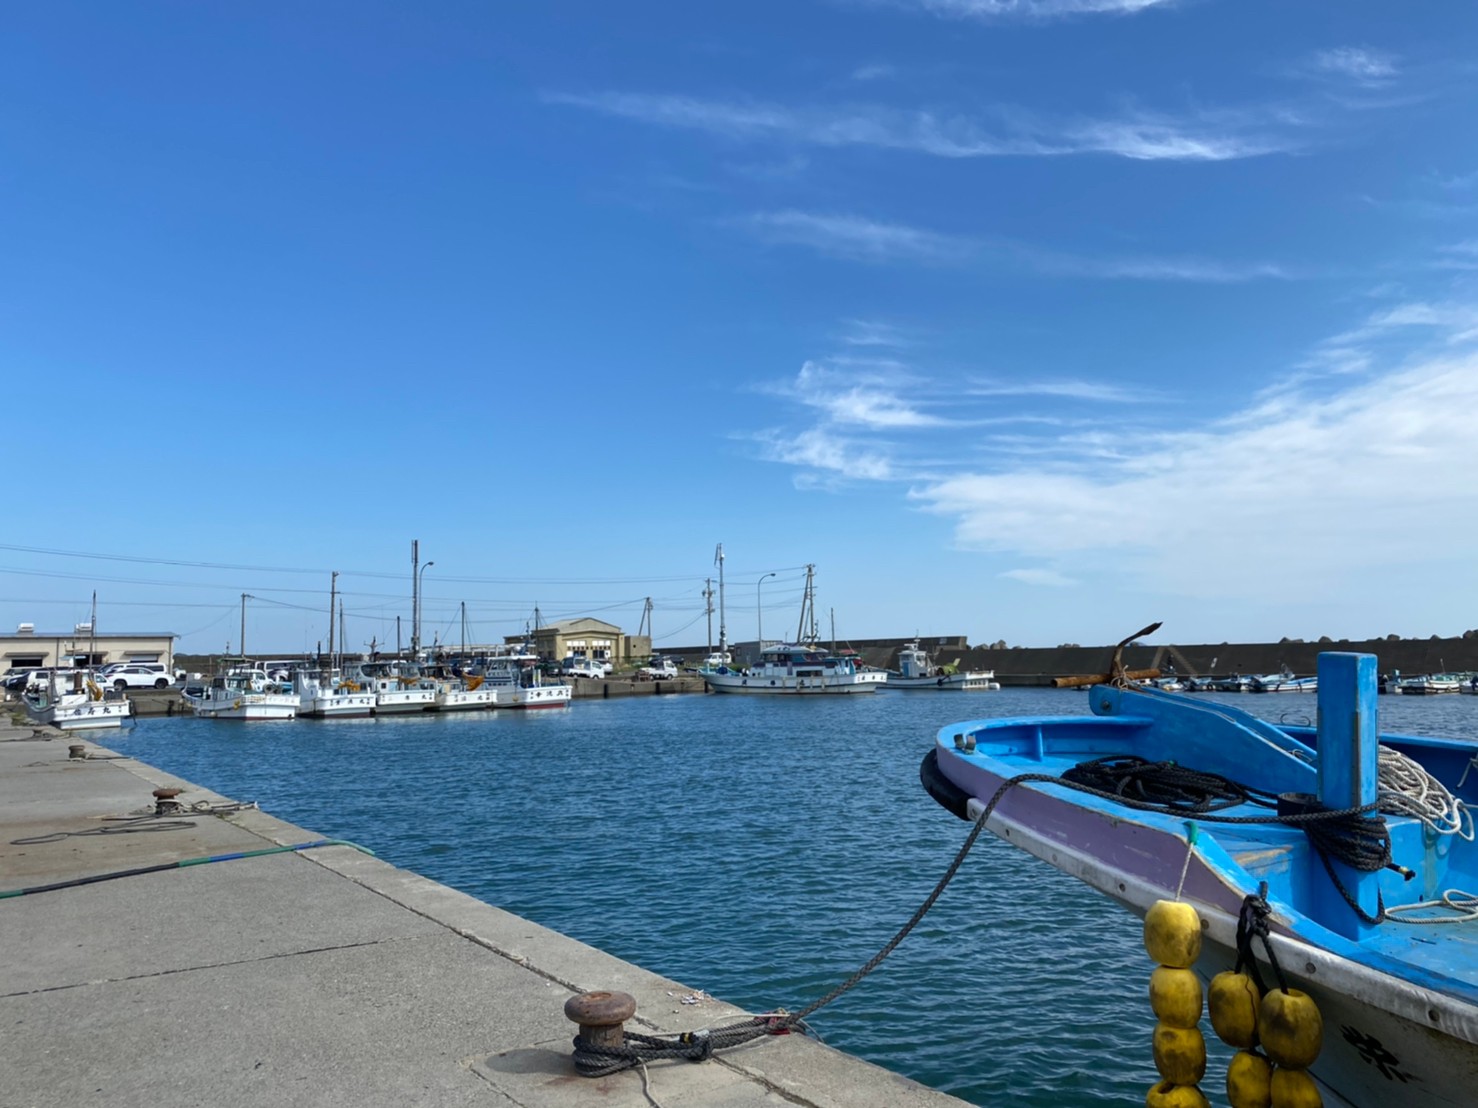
(723, 630)
(92, 630)
(464, 628)
(808, 609)
(333, 582)
(341, 632)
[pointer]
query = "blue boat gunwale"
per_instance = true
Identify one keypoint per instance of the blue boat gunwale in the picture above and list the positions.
(1004, 748)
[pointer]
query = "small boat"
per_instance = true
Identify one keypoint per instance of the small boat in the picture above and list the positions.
(916, 671)
(243, 693)
(326, 693)
(517, 680)
(397, 685)
(75, 702)
(1283, 682)
(1390, 847)
(1431, 684)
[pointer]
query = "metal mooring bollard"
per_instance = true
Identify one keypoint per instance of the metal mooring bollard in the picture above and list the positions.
(165, 803)
(602, 1017)
(78, 751)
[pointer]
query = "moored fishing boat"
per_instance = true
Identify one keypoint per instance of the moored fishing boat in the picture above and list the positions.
(1390, 845)
(243, 693)
(398, 686)
(915, 671)
(806, 670)
(458, 693)
(326, 693)
(517, 680)
(75, 702)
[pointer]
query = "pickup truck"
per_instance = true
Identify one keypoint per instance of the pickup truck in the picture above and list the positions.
(658, 669)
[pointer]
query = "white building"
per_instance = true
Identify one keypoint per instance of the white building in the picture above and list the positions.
(28, 648)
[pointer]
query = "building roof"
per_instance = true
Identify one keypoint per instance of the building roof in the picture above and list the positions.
(581, 623)
(74, 635)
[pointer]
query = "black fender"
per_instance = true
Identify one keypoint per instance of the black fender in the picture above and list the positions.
(950, 796)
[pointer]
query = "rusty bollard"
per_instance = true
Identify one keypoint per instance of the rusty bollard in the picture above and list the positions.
(77, 751)
(165, 803)
(602, 1017)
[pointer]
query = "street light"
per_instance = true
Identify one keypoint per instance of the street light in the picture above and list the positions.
(416, 628)
(759, 615)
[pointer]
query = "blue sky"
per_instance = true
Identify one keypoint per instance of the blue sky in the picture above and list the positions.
(1032, 320)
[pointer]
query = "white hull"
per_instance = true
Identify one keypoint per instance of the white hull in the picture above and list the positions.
(798, 686)
(406, 700)
(1379, 1045)
(954, 682)
(540, 696)
(251, 707)
(464, 700)
(330, 706)
(85, 716)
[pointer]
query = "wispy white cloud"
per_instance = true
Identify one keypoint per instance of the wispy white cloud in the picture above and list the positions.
(856, 237)
(874, 72)
(860, 238)
(1094, 391)
(873, 332)
(1364, 66)
(1027, 9)
(1134, 134)
(828, 453)
(1048, 577)
(873, 399)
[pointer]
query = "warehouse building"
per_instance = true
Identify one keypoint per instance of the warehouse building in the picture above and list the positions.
(28, 648)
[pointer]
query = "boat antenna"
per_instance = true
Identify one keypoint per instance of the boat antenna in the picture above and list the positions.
(808, 608)
(92, 629)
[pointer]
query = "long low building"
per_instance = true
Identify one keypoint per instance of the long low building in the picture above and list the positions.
(28, 648)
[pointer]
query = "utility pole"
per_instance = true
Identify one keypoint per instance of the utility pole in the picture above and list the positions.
(464, 628)
(708, 604)
(341, 632)
(723, 631)
(333, 583)
(242, 642)
(415, 599)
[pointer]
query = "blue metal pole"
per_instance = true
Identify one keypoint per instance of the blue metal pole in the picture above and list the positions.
(1348, 771)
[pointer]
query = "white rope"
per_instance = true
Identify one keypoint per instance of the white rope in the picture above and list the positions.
(1465, 904)
(1405, 788)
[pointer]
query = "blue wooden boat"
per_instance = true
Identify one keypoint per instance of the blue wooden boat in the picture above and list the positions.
(1386, 945)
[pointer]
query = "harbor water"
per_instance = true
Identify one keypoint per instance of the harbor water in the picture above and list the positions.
(760, 849)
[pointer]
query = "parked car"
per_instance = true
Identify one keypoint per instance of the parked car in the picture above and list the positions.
(582, 667)
(658, 669)
(138, 675)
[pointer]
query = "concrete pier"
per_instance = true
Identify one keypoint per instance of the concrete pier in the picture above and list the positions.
(325, 977)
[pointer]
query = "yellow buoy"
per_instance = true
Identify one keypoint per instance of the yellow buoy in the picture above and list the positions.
(1249, 1080)
(1233, 1000)
(1175, 996)
(1180, 1054)
(1291, 1029)
(1172, 933)
(1293, 1088)
(1166, 1095)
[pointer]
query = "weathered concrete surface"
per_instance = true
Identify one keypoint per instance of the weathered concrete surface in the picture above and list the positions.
(325, 977)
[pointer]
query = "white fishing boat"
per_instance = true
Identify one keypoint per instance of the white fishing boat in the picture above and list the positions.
(804, 669)
(916, 671)
(397, 685)
(1431, 684)
(75, 702)
(326, 693)
(458, 693)
(518, 681)
(246, 694)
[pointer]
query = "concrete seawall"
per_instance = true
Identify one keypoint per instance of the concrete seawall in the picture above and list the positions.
(323, 977)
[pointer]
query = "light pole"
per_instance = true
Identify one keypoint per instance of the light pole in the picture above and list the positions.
(416, 623)
(759, 616)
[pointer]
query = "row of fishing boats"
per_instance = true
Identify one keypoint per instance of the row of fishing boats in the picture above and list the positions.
(393, 686)
(810, 669)
(1425, 684)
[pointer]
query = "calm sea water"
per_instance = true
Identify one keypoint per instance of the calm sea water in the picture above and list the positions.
(760, 849)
